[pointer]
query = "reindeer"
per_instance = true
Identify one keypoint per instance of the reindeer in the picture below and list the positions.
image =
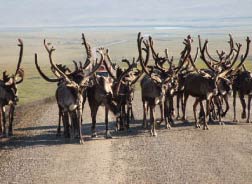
(187, 68)
(154, 86)
(173, 87)
(203, 86)
(123, 94)
(76, 75)
(224, 62)
(69, 93)
(9, 93)
(107, 92)
(242, 82)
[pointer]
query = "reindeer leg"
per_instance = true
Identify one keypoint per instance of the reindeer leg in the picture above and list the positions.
(207, 114)
(108, 135)
(161, 106)
(249, 102)
(4, 121)
(82, 110)
(234, 105)
(194, 113)
(72, 115)
(122, 125)
(178, 98)
(132, 117)
(118, 121)
(124, 116)
(241, 96)
(1, 128)
(66, 124)
(218, 102)
(167, 114)
(227, 105)
(220, 111)
(79, 114)
(152, 120)
(184, 106)
(117, 126)
(144, 114)
(182, 101)
(59, 128)
(11, 117)
(128, 116)
(94, 110)
(170, 111)
(212, 112)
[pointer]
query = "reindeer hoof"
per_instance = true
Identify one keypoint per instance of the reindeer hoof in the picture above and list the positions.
(4, 134)
(160, 122)
(168, 126)
(183, 119)
(247, 121)
(81, 141)
(94, 135)
(154, 134)
(144, 126)
(67, 136)
(197, 125)
(205, 128)
(243, 116)
(151, 133)
(108, 135)
(10, 134)
(235, 121)
(58, 134)
(223, 114)
(121, 129)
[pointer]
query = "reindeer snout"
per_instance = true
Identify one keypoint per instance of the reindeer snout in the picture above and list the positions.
(16, 99)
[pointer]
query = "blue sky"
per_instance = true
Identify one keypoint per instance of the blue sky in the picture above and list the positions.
(111, 12)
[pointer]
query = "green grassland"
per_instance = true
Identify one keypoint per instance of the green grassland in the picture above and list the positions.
(122, 44)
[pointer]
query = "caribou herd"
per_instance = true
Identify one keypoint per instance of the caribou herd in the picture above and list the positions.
(160, 83)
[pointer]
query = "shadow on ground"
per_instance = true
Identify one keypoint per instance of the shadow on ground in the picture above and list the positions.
(46, 135)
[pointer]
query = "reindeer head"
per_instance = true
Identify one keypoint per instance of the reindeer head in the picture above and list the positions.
(164, 79)
(9, 83)
(222, 70)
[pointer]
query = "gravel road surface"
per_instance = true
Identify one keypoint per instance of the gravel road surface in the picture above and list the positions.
(183, 154)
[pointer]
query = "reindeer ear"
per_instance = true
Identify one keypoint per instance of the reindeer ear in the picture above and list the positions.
(91, 83)
(9, 82)
(19, 74)
(70, 85)
(156, 78)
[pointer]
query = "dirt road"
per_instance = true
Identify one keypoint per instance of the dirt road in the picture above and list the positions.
(183, 154)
